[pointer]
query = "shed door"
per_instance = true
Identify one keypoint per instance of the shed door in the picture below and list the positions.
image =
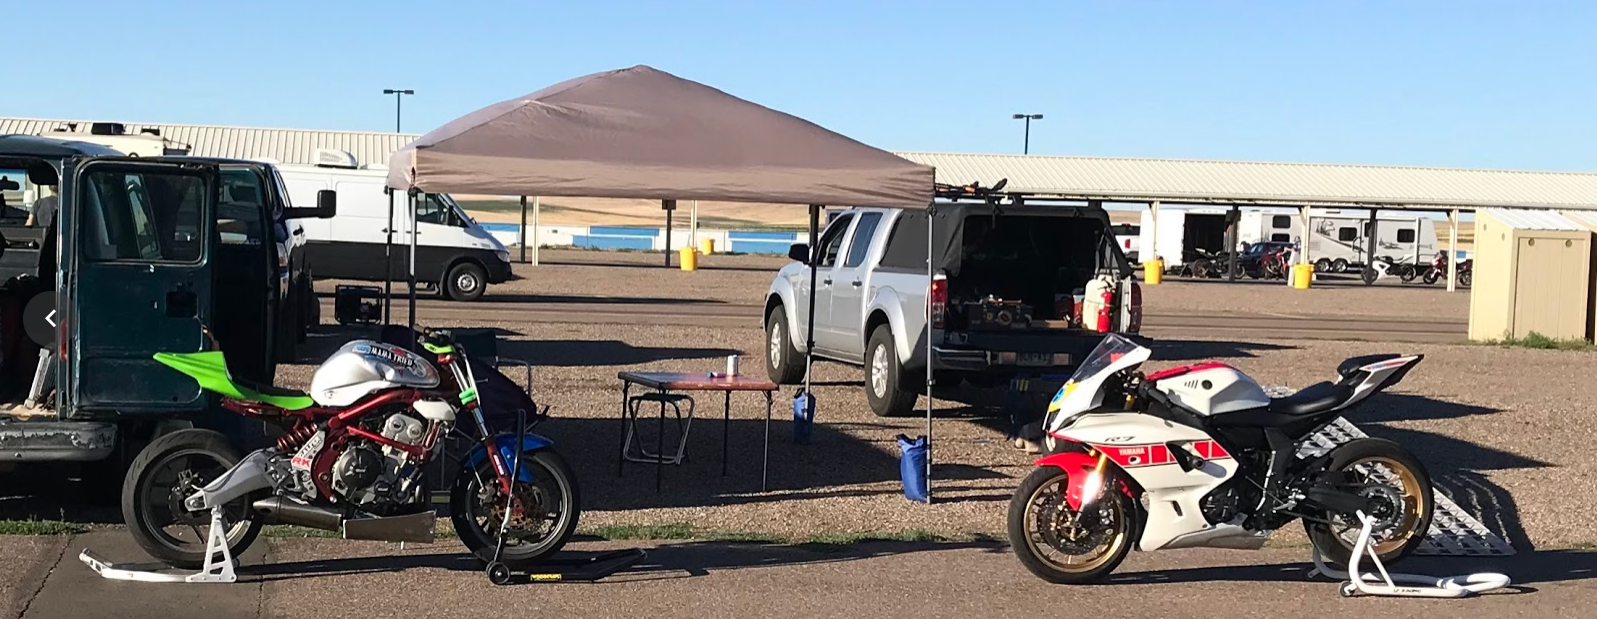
(1549, 288)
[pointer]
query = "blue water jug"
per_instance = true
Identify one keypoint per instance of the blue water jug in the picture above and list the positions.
(912, 467)
(803, 416)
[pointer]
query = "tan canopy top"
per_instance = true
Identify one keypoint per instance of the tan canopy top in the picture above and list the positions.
(645, 133)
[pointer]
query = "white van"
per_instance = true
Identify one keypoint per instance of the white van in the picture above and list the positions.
(452, 251)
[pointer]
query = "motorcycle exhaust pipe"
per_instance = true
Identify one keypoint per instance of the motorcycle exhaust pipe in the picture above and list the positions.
(280, 510)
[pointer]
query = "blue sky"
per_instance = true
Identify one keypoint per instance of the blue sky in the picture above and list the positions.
(1450, 83)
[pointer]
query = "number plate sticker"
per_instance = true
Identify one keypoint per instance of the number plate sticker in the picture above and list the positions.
(1034, 358)
(307, 452)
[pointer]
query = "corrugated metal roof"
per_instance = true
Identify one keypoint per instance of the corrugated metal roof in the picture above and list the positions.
(1265, 183)
(1588, 219)
(283, 145)
(1532, 219)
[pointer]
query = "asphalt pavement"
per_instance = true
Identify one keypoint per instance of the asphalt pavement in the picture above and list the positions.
(336, 578)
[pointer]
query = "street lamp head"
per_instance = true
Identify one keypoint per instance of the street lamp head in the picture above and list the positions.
(1028, 117)
(391, 91)
(1019, 116)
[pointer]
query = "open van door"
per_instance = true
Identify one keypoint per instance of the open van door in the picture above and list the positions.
(138, 238)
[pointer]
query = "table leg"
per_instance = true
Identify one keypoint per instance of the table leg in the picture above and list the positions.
(726, 431)
(765, 460)
(621, 454)
(659, 449)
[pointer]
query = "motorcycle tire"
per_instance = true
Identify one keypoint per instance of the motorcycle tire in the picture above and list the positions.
(465, 506)
(1021, 533)
(140, 512)
(1407, 273)
(1337, 549)
(1369, 275)
(1431, 276)
(1463, 278)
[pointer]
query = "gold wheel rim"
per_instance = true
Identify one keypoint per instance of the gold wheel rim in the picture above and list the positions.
(1407, 484)
(1054, 490)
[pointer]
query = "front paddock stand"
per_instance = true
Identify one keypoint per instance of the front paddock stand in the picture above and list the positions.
(590, 569)
(213, 571)
(1402, 585)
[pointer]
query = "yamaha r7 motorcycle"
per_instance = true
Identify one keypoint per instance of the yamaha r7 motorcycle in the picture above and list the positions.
(1200, 456)
(352, 458)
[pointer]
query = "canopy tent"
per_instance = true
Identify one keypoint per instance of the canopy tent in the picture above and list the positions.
(642, 133)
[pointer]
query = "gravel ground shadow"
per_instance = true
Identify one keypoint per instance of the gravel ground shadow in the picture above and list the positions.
(1525, 569)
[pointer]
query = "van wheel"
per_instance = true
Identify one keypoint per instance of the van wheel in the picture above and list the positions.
(783, 362)
(884, 377)
(465, 282)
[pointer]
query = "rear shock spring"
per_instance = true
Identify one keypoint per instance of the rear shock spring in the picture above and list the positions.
(293, 439)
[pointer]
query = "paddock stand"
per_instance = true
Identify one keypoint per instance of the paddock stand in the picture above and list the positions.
(1401, 585)
(212, 572)
(590, 569)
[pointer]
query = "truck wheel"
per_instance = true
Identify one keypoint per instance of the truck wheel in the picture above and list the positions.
(884, 377)
(783, 362)
(465, 282)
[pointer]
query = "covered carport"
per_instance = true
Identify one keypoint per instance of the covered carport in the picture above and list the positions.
(1300, 186)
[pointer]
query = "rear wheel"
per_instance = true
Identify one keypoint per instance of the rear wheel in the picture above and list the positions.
(166, 472)
(1064, 546)
(884, 377)
(1400, 494)
(1463, 278)
(544, 518)
(783, 362)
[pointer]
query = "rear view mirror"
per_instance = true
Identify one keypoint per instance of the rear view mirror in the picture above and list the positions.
(326, 207)
(799, 252)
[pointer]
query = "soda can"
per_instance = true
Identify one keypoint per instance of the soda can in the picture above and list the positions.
(732, 365)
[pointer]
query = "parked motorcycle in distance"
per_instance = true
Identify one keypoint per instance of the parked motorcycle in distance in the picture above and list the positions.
(1382, 266)
(1200, 456)
(1438, 269)
(352, 458)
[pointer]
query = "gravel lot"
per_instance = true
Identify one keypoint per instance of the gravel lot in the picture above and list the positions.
(1505, 431)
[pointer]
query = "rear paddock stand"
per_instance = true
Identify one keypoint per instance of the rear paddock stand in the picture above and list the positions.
(1401, 585)
(213, 571)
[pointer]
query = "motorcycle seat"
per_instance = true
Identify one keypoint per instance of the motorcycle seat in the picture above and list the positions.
(1313, 399)
(1354, 363)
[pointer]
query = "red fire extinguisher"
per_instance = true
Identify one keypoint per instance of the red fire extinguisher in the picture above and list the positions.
(1099, 305)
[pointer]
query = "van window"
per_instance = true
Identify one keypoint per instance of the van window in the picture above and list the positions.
(1281, 221)
(832, 239)
(1405, 235)
(141, 217)
(238, 210)
(863, 233)
(1347, 233)
(432, 210)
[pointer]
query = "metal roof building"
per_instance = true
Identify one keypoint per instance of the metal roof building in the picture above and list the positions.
(1173, 181)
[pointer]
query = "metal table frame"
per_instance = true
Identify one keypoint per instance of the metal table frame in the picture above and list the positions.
(664, 383)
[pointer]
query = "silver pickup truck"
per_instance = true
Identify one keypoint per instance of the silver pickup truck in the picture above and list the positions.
(1004, 298)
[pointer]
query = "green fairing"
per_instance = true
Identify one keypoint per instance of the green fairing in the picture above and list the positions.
(438, 350)
(210, 370)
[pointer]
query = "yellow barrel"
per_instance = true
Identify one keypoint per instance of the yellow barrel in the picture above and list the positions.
(688, 259)
(1153, 272)
(1302, 274)
(706, 246)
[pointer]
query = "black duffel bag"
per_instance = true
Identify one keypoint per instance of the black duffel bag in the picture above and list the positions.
(501, 398)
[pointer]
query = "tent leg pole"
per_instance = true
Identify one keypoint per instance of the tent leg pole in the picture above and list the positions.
(413, 234)
(809, 325)
(536, 209)
(931, 210)
(522, 241)
(388, 263)
(668, 237)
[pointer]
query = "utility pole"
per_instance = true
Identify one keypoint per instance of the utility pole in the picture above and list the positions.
(398, 97)
(1026, 149)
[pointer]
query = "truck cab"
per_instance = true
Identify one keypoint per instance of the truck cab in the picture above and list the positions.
(108, 260)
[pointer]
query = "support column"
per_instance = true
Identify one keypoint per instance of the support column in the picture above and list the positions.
(1370, 234)
(1153, 231)
(693, 226)
(535, 210)
(1231, 247)
(669, 206)
(1452, 250)
(521, 238)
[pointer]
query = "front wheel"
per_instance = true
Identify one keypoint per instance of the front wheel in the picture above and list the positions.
(1399, 493)
(784, 364)
(885, 390)
(465, 282)
(166, 472)
(1064, 546)
(1463, 278)
(541, 522)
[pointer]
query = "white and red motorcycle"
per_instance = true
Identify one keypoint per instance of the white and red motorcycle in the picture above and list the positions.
(1200, 456)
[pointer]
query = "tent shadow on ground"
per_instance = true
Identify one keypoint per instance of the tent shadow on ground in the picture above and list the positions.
(704, 264)
(590, 353)
(575, 299)
(665, 562)
(1197, 350)
(1526, 568)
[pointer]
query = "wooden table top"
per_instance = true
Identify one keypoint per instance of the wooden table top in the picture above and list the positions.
(697, 381)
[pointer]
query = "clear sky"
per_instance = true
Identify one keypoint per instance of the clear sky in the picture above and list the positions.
(1452, 82)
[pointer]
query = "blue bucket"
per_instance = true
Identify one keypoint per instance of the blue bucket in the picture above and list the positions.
(912, 467)
(803, 416)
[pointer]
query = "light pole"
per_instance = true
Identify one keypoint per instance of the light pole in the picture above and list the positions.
(398, 95)
(1028, 118)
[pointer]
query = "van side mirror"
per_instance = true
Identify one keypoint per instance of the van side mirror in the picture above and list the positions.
(326, 207)
(799, 252)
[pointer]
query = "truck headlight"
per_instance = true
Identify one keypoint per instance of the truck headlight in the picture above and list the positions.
(502, 254)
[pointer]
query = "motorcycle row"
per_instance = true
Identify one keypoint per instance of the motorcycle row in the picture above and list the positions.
(1276, 263)
(1196, 456)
